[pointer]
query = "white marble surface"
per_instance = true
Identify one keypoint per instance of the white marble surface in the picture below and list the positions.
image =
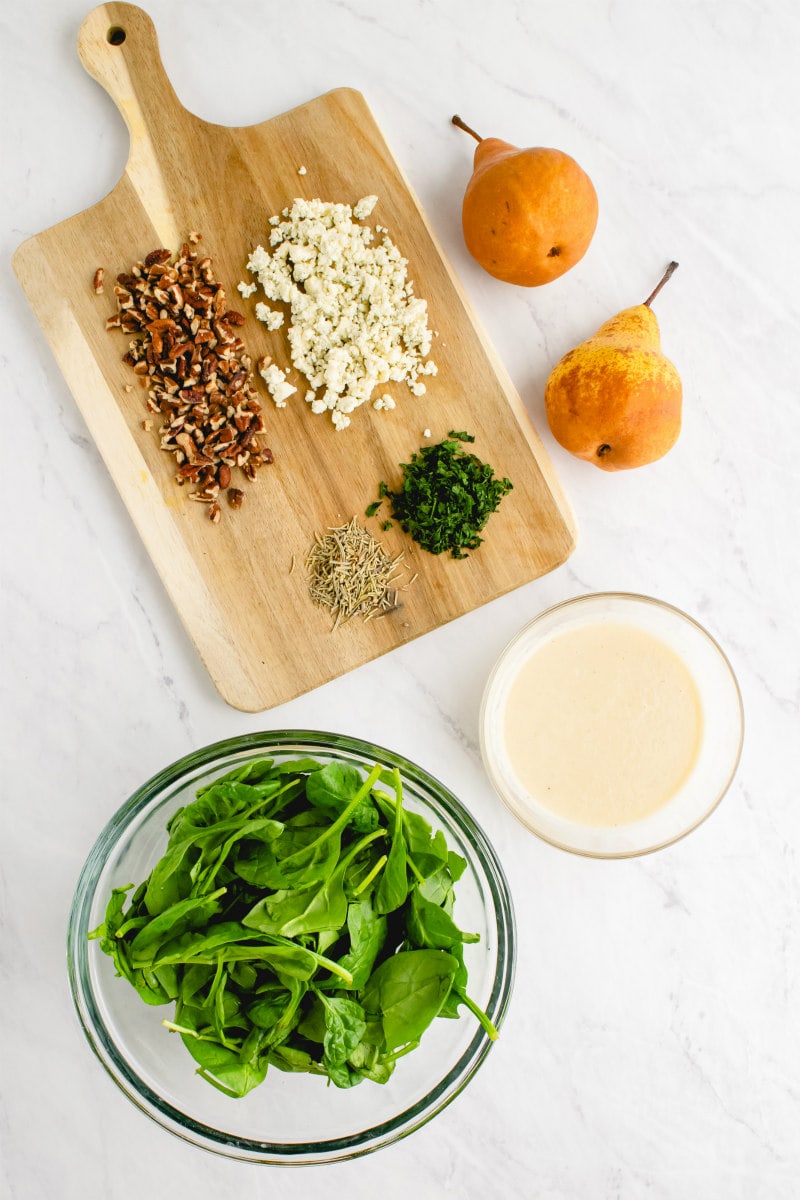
(653, 1042)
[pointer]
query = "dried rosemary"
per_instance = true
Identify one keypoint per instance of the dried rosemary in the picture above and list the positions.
(351, 573)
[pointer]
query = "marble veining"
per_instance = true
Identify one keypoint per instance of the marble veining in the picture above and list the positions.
(652, 1048)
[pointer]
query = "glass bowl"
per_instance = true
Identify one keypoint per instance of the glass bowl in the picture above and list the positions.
(290, 1118)
(721, 721)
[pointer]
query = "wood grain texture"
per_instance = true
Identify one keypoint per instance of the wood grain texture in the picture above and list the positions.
(246, 610)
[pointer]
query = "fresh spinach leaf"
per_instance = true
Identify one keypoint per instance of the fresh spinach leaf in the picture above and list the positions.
(367, 930)
(171, 878)
(106, 933)
(407, 991)
(341, 1075)
(288, 1058)
(268, 1009)
(331, 790)
(345, 1026)
(297, 766)
(253, 772)
(303, 910)
(223, 1068)
(429, 925)
(393, 886)
(150, 987)
(315, 861)
(456, 865)
(314, 909)
(437, 887)
(192, 913)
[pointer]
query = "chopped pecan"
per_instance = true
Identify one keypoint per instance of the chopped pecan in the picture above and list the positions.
(157, 257)
(97, 282)
(187, 445)
(195, 369)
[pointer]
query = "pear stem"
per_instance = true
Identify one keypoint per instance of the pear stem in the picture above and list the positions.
(461, 125)
(673, 266)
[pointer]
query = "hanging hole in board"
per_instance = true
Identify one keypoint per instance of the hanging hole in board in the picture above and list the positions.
(116, 35)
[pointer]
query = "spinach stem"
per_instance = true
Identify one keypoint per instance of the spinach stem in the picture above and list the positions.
(479, 1014)
(341, 821)
(359, 846)
(173, 1028)
(133, 923)
(389, 807)
(296, 784)
(226, 1091)
(369, 878)
(415, 869)
(402, 1052)
(333, 967)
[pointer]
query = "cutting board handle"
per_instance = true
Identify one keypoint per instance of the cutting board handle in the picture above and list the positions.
(118, 46)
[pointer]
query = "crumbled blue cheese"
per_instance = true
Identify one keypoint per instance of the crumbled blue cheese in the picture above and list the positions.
(277, 384)
(247, 289)
(272, 317)
(385, 402)
(364, 207)
(355, 321)
(301, 170)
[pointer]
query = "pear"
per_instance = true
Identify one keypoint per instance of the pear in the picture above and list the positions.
(528, 214)
(615, 400)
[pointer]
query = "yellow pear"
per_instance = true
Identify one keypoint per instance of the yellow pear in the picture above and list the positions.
(615, 400)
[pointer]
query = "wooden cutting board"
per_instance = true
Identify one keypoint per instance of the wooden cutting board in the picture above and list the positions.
(240, 587)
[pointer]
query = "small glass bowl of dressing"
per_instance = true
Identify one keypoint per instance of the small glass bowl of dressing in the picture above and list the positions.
(612, 725)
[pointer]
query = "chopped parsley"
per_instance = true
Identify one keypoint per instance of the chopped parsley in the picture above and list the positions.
(446, 498)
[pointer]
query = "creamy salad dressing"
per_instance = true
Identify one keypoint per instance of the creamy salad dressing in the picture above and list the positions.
(603, 723)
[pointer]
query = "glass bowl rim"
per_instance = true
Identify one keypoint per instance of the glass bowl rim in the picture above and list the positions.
(638, 597)
(296, 1153)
